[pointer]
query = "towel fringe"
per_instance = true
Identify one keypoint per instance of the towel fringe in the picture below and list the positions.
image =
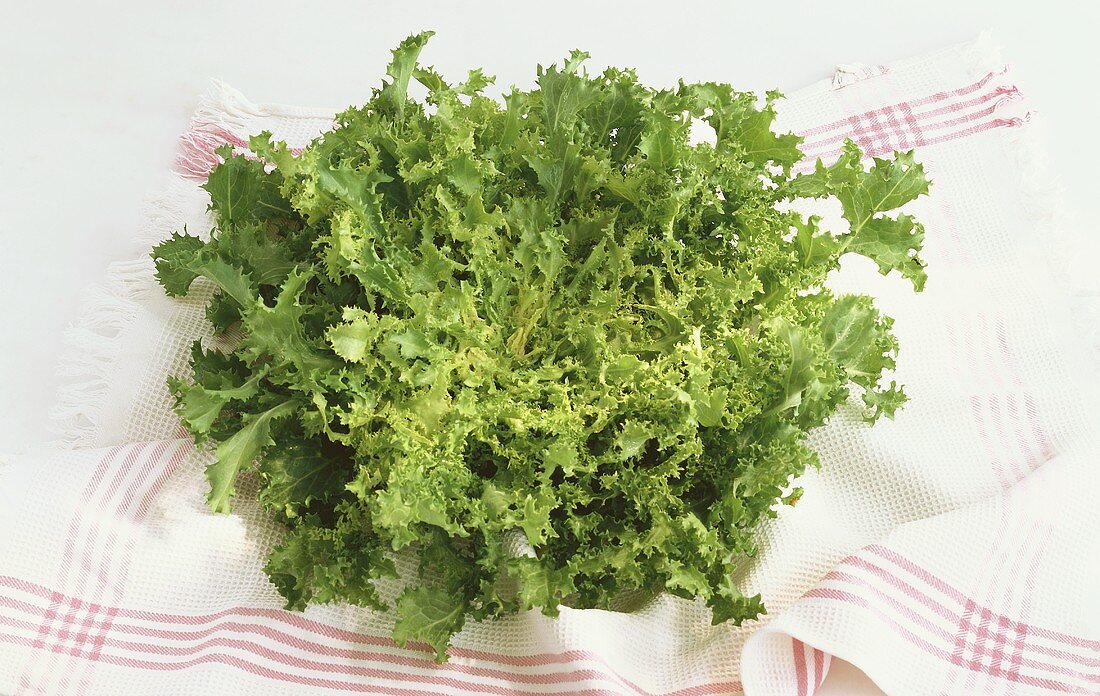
(983, 55)
(91, 346)
(222, 113)
(1057, 230)
(225, 115)
(1057, 233)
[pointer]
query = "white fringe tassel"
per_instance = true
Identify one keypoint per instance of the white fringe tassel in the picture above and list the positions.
(1058, 231)
(89, 360)
(92, 345)
(225, 114)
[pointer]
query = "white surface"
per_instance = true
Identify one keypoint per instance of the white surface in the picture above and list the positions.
(93, 98)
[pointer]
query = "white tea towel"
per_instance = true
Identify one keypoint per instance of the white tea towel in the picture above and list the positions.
(951, 551)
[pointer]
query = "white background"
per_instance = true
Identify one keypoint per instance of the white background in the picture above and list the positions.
(93, 95)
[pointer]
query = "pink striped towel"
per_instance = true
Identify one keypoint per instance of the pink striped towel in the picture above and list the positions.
(952, 551)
